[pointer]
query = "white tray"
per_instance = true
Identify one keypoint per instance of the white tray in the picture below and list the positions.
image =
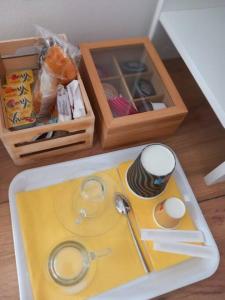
(146, 287)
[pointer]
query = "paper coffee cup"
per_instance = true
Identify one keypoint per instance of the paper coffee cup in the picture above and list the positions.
(168, 213)
(151, 171)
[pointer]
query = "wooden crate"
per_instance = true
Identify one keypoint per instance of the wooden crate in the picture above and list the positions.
(21, 54)
(140, 127)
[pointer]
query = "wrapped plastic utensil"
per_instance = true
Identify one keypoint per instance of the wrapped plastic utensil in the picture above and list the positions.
(185, 249)
(162, 235)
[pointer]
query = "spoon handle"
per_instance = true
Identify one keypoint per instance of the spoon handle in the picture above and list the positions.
(144, 263)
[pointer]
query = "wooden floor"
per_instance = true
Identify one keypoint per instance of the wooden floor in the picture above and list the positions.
(200, 146)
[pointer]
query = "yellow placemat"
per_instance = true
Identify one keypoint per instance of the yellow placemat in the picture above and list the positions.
(41, 231)
(143, 213)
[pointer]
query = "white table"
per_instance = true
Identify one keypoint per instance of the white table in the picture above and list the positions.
(199, 36)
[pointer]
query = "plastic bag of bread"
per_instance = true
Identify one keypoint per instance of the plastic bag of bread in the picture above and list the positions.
(57, 66)
(60, 65)
(44, 94)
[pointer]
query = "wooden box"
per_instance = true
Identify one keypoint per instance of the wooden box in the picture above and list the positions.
(108, 62)
(77, 134)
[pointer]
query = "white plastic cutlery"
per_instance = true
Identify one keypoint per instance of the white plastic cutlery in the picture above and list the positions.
(162, 235)
(186, 249)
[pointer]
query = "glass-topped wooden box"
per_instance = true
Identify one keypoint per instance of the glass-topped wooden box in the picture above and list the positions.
(133, 96)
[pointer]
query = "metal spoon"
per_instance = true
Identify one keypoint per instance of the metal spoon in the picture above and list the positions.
(123, 207)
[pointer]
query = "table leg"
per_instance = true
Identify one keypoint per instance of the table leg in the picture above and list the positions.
(216, 175)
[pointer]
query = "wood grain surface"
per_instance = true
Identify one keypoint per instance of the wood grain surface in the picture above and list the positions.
(199, 144)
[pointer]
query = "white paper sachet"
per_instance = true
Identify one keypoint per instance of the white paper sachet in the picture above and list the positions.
(48, 86)
(158, 105)
(76, 98)
(185, 249)
(63, 104)
(172, 235)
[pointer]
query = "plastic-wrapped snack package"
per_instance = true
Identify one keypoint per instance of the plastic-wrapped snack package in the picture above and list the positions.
(63, 104)
(60, 65)
(51, 39)
(45, 91)
(75, 99)
(17, 100)
(120, 106)
(19, 111)
(57, 66)
(16, 89)
(25, 76)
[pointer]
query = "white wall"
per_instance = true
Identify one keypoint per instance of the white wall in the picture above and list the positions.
(92, 20)
(81, 20)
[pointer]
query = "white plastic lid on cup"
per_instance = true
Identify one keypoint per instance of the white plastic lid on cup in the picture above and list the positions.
(158, 160)
(175, 208)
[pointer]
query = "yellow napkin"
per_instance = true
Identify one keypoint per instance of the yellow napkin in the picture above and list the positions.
(143, 214)
(42, 231)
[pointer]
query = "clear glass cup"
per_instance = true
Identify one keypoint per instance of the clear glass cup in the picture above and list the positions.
(84, 212)
(91, 201)
(71, 265)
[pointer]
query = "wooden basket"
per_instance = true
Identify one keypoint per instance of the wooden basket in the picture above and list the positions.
(21, 54)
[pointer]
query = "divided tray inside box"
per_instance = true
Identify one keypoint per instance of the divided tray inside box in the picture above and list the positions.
(130, 90)
(131, 74)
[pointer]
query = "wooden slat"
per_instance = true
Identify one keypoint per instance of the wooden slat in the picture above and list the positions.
(141, 134)
(85, 99)
(9, 47)
(21, 63)
(155, 98)
(3, 124)
(26, 135)
(34, 157)
(122, 78)
(51, 143)
(141, 119)
(111, 44)
(2, 71)
(146, 73)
